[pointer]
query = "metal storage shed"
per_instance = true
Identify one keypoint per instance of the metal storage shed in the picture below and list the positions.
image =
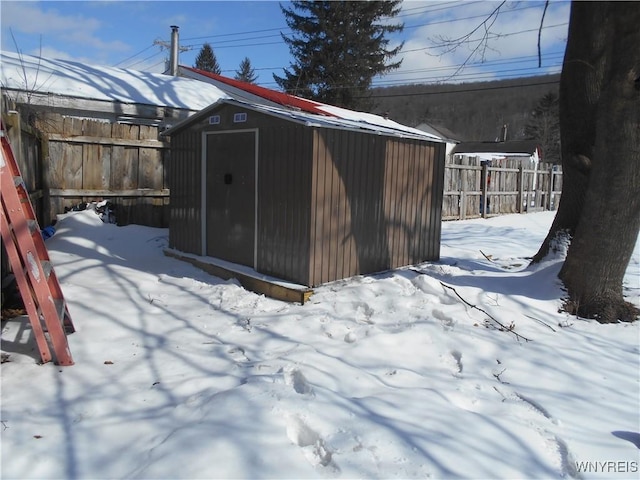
(303, 197)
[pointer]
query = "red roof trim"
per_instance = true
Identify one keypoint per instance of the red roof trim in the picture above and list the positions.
(280, 98)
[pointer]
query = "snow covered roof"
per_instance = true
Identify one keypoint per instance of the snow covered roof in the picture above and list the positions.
(79, 80)
(251, 92)
(307, 111)
(515, 148)
(65, 78)
(440, 131)
(310, 120)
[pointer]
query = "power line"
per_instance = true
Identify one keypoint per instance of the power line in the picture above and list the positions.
(134, 55)
(438, 7)
(144, 59)
(286, 30)
(231, 42)
(216, 47)
(466, 78)
(238, 33)
(492, 36)
(468, 90)
(513, 61)
(483, 15)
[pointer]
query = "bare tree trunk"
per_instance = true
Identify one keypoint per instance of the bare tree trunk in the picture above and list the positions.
(580, 86)
(600, 135)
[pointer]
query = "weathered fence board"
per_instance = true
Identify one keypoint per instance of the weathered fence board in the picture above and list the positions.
(91, 160)
(72, 160)
(509, 189)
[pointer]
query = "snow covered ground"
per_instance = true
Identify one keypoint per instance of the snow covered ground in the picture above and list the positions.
(180, 375)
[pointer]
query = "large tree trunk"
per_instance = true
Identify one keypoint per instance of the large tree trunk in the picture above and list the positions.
(600, 135)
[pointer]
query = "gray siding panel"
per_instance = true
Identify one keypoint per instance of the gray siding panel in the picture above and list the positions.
(437, 187)
(347, 205)
(284, 216)
(374, 204)
(330, 203)
(185, 184)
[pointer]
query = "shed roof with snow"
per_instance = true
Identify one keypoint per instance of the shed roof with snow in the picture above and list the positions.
(529, 149)
(117, 94)
(308, 194)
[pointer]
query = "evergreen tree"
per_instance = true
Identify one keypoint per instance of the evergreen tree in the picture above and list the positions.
(206, 60)
(544, 126)
(338, 47)
(246, 73)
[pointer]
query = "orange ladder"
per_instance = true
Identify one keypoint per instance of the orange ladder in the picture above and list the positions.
(27, 253)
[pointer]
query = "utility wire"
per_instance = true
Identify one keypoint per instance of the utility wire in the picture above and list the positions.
(134, 55)
(239, 42)
(467, 90)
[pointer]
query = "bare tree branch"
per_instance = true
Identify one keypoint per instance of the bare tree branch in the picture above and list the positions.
(502, 326)
(482, 45)
(544, 12)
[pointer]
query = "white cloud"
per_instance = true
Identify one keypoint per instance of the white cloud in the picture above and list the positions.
(28, 17)
(513, 36)
(53, 27)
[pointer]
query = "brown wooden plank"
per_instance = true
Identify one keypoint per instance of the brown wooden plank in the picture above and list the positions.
(65, 165)
(52, 123)
(148, 132)
(115, 109)
(96, 167)
(124, 168)
(125, 142)
(72, 126)
(317, 211)
(59, 192)
(151, 171)
(254, 284)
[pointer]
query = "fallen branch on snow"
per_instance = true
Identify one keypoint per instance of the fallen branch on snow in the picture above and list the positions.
(502, 327)
(541, 322)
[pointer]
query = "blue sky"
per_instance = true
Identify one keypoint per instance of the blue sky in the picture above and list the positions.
(128, 34)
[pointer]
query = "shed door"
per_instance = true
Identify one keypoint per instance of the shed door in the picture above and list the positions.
(230, 197)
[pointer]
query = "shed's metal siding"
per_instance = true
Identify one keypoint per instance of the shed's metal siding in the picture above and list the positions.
(330, 203)
(185, 183)
(347, 205)
(283, 199)
(414, 182)
(375, 203)
(284, 217)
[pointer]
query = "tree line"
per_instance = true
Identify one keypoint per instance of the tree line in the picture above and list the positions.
(207, 61)
(477, 111)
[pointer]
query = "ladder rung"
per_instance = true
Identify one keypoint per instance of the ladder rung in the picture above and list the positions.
(33, 226)
(47, 268)
(60, 306)
(29, 259)
(8, 280)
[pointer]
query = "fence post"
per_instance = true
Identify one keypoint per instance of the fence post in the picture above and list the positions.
(520, 197)
(550, 191)
(463, 194)
(483, 187)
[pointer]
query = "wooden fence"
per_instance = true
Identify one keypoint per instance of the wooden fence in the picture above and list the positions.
(513, 186)
(87, 160)
(67, 161)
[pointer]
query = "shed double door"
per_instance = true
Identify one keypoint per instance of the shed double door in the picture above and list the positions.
(231, 196)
